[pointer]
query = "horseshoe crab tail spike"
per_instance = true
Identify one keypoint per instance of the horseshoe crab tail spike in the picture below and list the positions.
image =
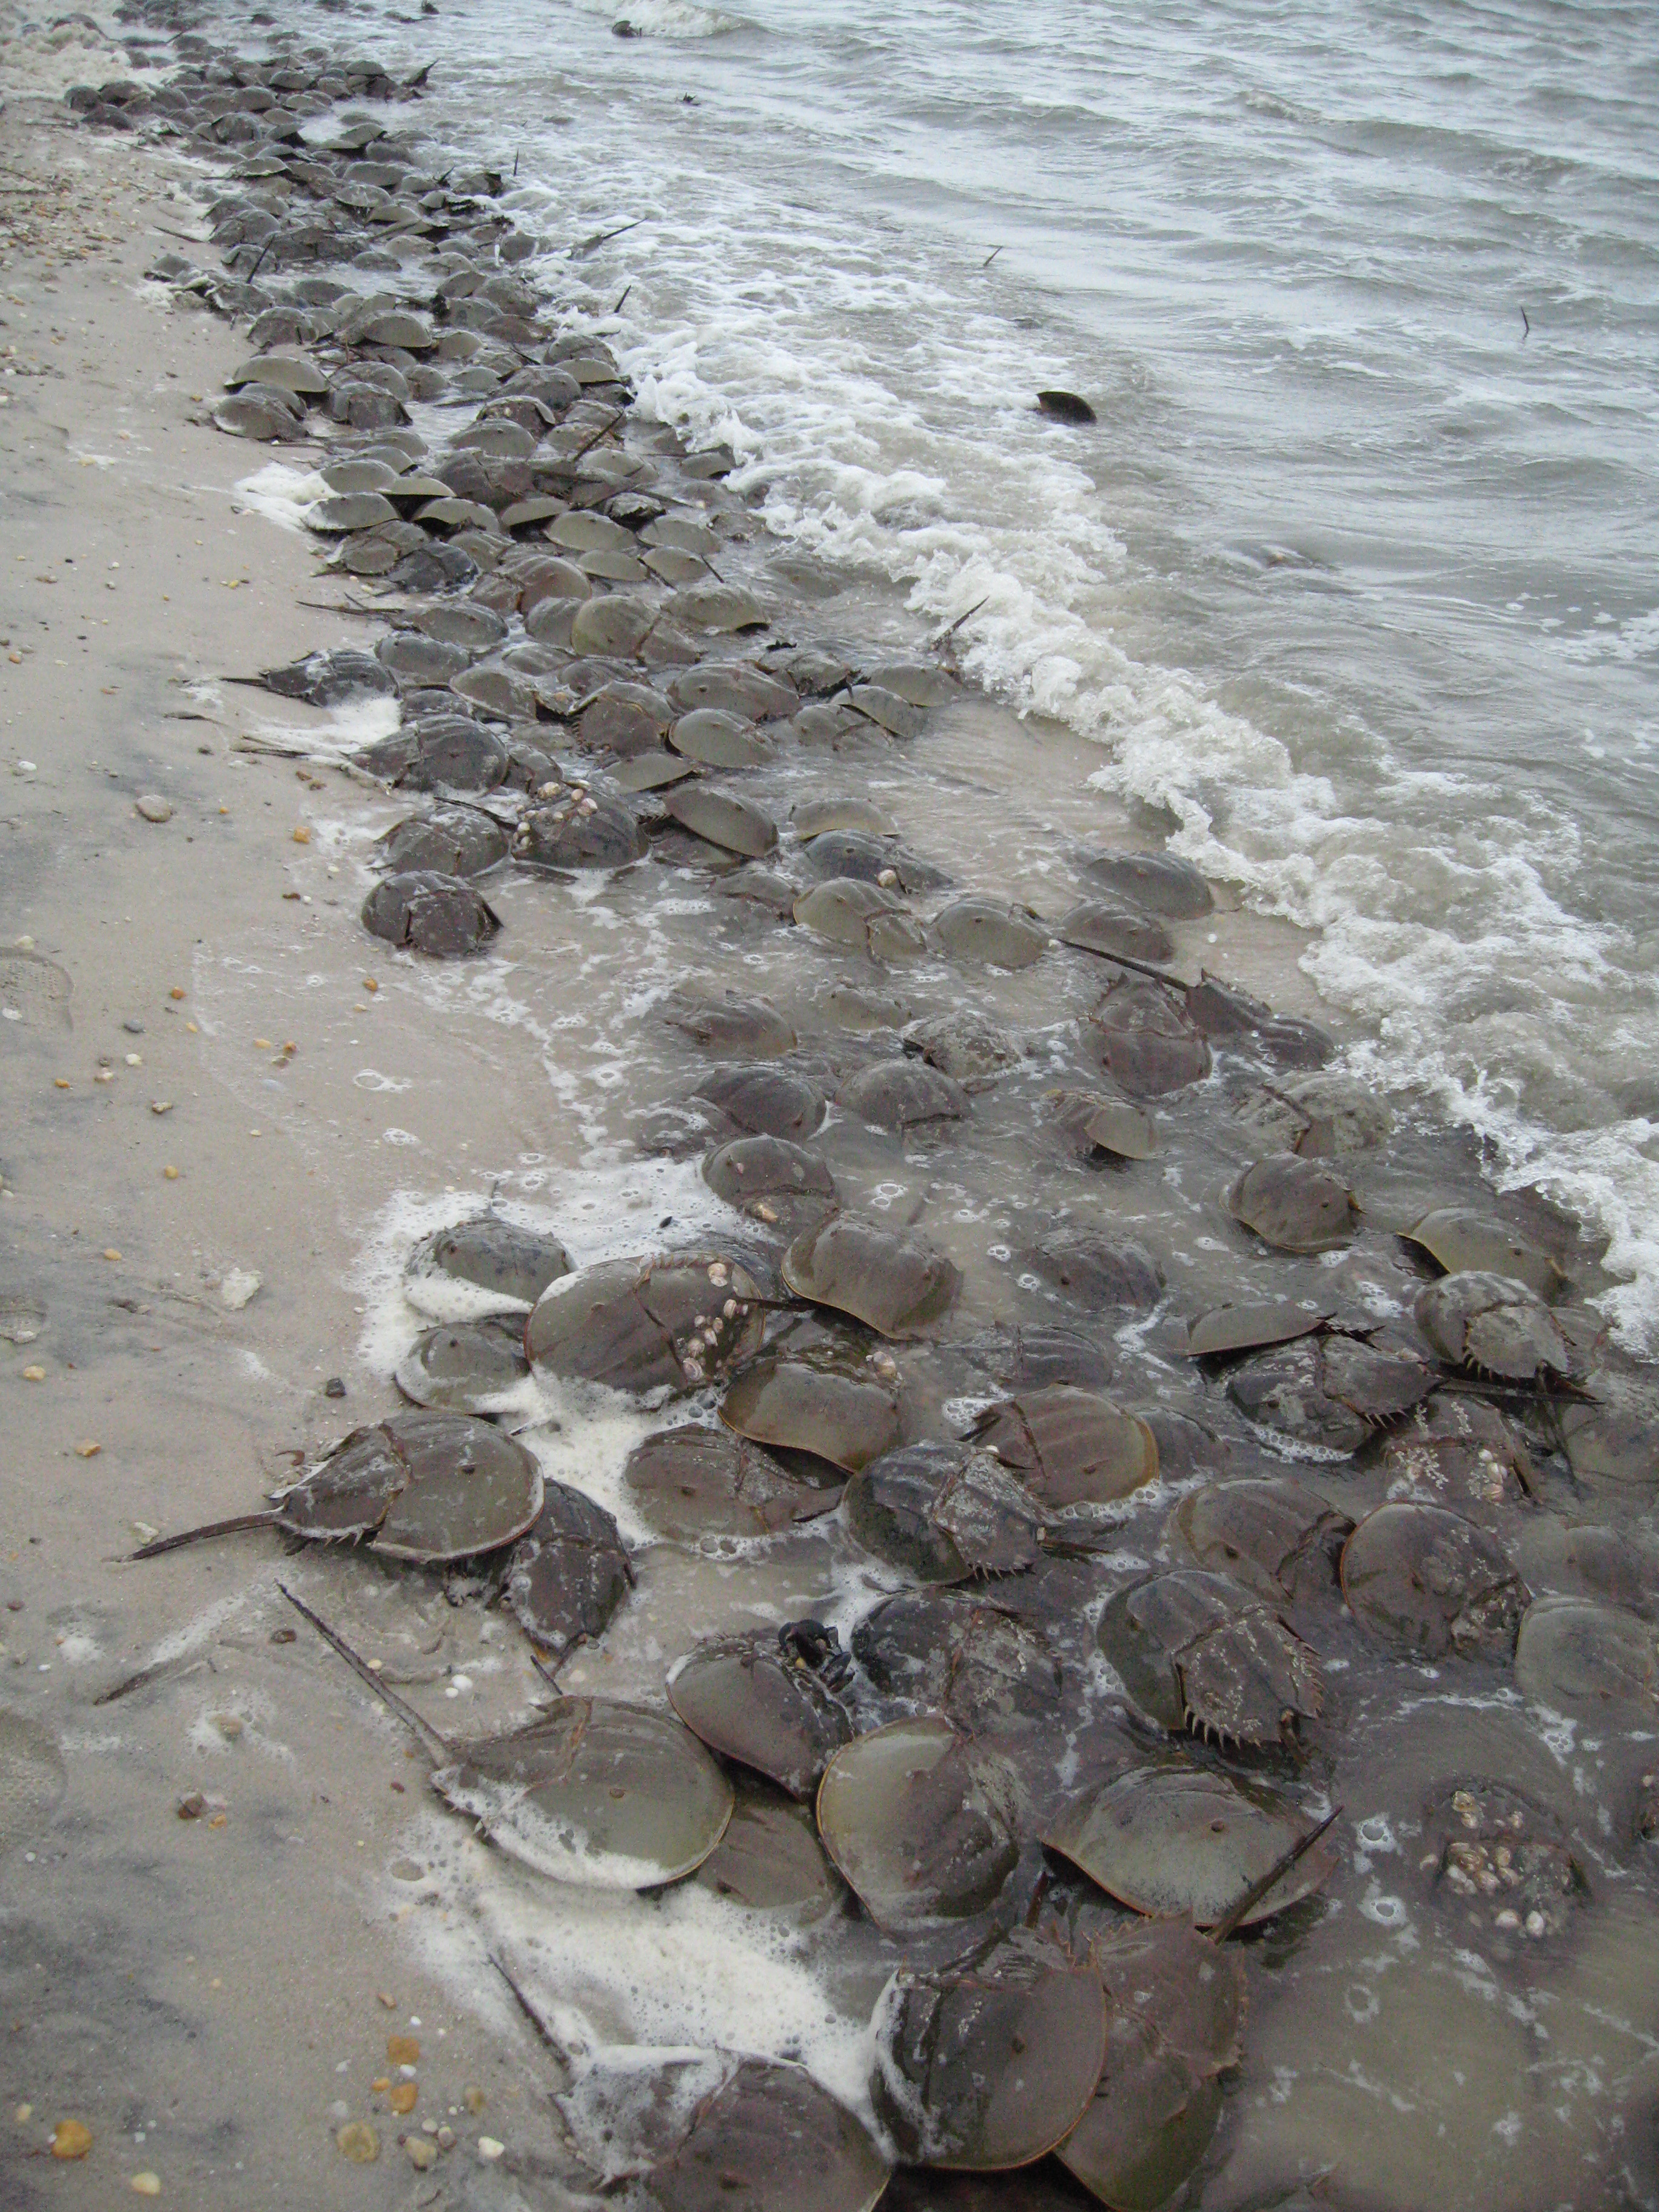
(544, 2032)
(1275, 1874)
(429, 1736)
(231, 1528)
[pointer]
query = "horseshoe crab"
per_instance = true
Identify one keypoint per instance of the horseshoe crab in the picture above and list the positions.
(942, 1513)
(862, 916)
(1248, 1326)
(579, 830)
(1022, 1360)
(1098, 1271)
(981, 1668)
(770, 2138)
(817, 818)
(644, 1324)
(486, 1264)
(693, 1482)
(967, 1047)
(990, 2068)
(714, 738)
(592, 1792)
(770, 1179)
(1612, 1438)
(1597, 1662)
(731, 687)
(1462, 1453)
(979, 930)
(1294, 1205)
(1325, 1395)
(794, 1405)
(1429, 1584)
(760, 1700)
(765, 1101)
(324, 679)
(770, 1860)
(1318, 1116)
(871, 860)
(1145, 1039)
(1175, 2007)
(1196, 1650)
(450, 840)
(626, 718)
(733, 824)
(896, 1285)
(1502, 1858)
(465, 1367)
(729, 1022)
(421, 911)
(1070, 1447)
(1495, 1325)
(568, 1573)
(1172, 1839)
(1461, 1242)
(426, 1487)
(902, 1095)
(1117, 932)
(922, 1823)
(1278, 1538)
(1158, 883)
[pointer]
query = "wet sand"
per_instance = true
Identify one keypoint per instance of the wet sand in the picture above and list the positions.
(218, 1148)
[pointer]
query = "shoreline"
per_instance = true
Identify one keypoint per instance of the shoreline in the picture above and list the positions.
(315, 1090)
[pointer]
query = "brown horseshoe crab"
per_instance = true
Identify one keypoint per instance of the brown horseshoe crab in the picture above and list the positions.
(1497, 1326)
(1198, 1651)
(1070, 1447)
(424, 1487)
(421, 911)
(894, 1284)
(760, 1700)
(568, 1573)
(692, 1482)
(943, 1512)
(1428, 1583)
(1327, 1394)
(1294, 1205)
(645, 1324)
(1276, 1536)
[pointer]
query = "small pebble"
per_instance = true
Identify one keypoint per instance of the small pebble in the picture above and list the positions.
(132, 1028)
(302, 836)
(160, 1105)
(358, 2141)
(473, 2099)
(403, 2050)
(404, 2098)
(171, 1174)
(176, 991)
(110, 1252)
(445, 2137)
(155, 808)
(135, 1059)
(88, 1451)
(70, 2139)
(490, 2148)
(23, 2114)
(193, 1807)
(229, 1725)
(335, 1386)
(34, 1374)
(419, 2153)
(146, 2185)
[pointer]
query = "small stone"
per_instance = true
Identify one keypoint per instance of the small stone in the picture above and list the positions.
(419, 2153)
(490, 2148)
(473, 2099)
(177, 992)
(236, 1287)
(404, 2098)
(34, 1374)
(133, 1027)
(170, 1175)
(407, 1870)
(358, 2141)
(289, 1636)
(70, 2139)
(445, 2137)
(390, 2003)
(403, 2050)
(134, 1059)
(193, 1807)
(381, 2084)
(145, 2184)
(302, 836)
(23, 2115)
(160, 1105)
(370, 983)
(110, 1252)
(90, 1450)
(61, 1081)
(229, 1725)
(335, 1386)
(155, 808)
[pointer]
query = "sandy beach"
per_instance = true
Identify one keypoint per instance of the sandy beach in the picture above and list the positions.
(236, 1929)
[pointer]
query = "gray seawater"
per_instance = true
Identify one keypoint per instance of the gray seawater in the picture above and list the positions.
(1353, 584)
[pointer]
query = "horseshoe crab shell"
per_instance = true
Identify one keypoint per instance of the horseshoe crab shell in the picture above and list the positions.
(942, 1513)
(467, 1367)
(1462, 1453)
(902, 1095)
(773, 2141)
(1502, 1858)
(1173, 1839)
(995, 936)
(980, 1668)
(450, 840)
(846, 1420)
(648, 1324)
(1293, 1204)
(1427, 1582)
(692, 1482)
(1070, 1447)
(421, 911)
(1317, 1116)
(568, 1573)
(750, 1699)
(967, 1047)
(1276, 1537)
(770, 1178)
(1196, 1650)
(1249, 1327)
(1158, 883)
(1327, 1395)
(579, 831)
(1117, 931)
(923, 1823)
(977, 2072)
(1597, 1662)
(714, 738)
(1145, 1039)
(896, 1285)
(770, 1860)
(1461, 1242)
(733, 824)
(765, 1100)
(861, 916)
(1495, 1325)
(509, 1266)
(729, 1022)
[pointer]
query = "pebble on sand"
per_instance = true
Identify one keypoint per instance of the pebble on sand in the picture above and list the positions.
(420, 2153)
(404, 2098)
(403, 2050)
(155, 808)
(358, 2141)
(237, 1286)
(146, 2184)
(70, 2139)
(490, 2148)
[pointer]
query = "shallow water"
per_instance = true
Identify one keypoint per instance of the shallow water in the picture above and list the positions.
(1349, 586)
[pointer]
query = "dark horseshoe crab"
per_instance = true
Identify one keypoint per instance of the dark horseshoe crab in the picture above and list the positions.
(1145, 1039)
(771, 2141)
(1427, 1582)
(421, 911)
(760, 1700)
(896, 1284)
(593, 1792)
(1070, 1447)
(648, 1324)
(1325, 1395)
(693, 1482)
(1294, 1205)
(984, 2070)
(1497, 1326)
(770, 1860)
(770, 1179)
(1277, 1537)
(495, 1265)
(797, 1404)
(964, 1657)
(568, 1573)
(1597, 1662)
(1196, 1650)
(428, 1487)
(902, 1095)
(943, 1513)
(1460, 1452)
(1502, 1861)
(922, 1822)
